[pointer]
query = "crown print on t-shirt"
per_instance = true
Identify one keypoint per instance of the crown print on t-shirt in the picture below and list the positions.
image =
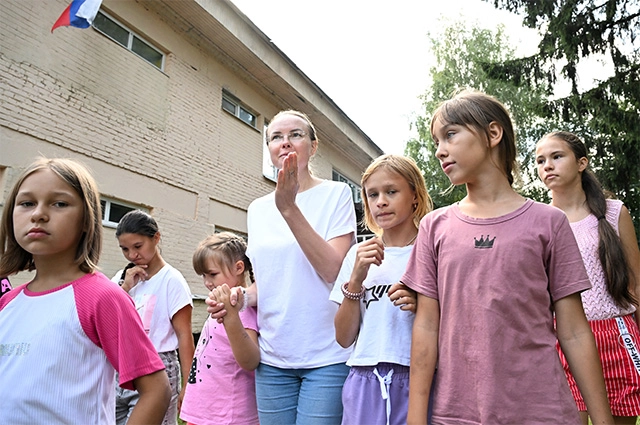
(484, 243)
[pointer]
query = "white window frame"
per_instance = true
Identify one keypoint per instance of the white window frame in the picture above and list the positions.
(355, 187)
(107, 210)
(269, 170)
(238, 109)
(132, 36)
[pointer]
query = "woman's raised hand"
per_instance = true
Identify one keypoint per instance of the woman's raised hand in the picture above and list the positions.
(288, 184)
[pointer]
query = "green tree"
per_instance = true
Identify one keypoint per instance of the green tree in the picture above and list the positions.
(463, 57)
(606, 116)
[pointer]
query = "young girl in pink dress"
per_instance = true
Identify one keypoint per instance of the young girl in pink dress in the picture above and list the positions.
(221, 387)
(607, 241)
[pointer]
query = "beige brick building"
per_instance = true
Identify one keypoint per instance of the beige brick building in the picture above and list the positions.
(166, 102)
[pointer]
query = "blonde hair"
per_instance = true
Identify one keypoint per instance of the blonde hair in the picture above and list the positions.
(14, 259)
(407, 169)
(311, 129)
(225, 248)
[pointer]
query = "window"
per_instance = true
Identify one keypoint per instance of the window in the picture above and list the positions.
(355, 188)
(126, 38)
(235, 107)
(112, 211)
(3, 170)
(362, 233)
(268, 169)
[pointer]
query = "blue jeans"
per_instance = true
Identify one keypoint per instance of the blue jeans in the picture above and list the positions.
(300, 396)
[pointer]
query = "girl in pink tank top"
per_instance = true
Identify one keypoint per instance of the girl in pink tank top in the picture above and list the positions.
(607, 240)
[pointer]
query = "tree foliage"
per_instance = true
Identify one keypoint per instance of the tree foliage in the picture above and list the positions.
(606, 116)
(463, 57)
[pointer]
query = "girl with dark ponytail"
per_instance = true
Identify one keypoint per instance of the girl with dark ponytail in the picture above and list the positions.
(605, 234)
(221, 386)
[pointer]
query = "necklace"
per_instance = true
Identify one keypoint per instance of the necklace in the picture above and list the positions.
(407, 244)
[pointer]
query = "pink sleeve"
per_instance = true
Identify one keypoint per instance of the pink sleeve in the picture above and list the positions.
(109, 318)
(565, 267)
(421, 273)
(9, 296)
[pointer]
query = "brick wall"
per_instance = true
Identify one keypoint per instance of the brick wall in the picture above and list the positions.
(154, 138)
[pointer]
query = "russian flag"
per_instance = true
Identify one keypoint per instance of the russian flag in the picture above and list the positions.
(79, 14)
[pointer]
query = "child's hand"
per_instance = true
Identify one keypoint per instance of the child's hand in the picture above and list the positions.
(223, 294)
(369, 252)
(402, 296)
(133, 276)
(215, 308)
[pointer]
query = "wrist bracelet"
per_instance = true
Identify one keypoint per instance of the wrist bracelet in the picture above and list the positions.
(244, 300)
(352, 295)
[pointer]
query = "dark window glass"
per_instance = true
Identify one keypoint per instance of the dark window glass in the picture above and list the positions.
(117, 211)
(146, 52)
(247, 117)
(228, 106)
(112, 29)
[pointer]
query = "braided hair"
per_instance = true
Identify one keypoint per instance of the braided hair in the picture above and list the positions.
(226, 249)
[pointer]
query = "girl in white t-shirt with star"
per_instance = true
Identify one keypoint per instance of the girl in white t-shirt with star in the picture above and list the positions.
(376, 313)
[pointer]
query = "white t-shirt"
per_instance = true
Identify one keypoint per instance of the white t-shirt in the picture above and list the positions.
(157, 300)
(59, 351)
(385, 330)
(295, 316)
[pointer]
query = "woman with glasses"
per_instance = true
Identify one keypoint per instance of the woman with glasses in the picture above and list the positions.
(298, 236)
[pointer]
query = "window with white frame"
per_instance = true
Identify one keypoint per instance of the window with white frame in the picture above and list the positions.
(122, 35)
(355, 188)
(233, 106)
(268, 169)
(362, 232)
(113, 211)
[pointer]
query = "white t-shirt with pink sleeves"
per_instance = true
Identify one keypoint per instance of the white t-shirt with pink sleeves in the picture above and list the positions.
(59, 351)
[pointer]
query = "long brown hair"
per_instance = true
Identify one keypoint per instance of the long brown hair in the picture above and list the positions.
(476, 110)
(610, 249)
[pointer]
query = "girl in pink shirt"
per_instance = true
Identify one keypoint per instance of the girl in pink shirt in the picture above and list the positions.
(607, 240)
(490, 272)
(221, 386)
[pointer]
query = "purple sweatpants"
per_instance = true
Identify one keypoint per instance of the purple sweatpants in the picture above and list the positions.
(363, 395)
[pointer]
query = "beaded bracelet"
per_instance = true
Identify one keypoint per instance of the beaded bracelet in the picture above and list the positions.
(244, 300)
(352, 295)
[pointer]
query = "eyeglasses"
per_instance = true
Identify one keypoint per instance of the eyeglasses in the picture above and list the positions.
(293, 137)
